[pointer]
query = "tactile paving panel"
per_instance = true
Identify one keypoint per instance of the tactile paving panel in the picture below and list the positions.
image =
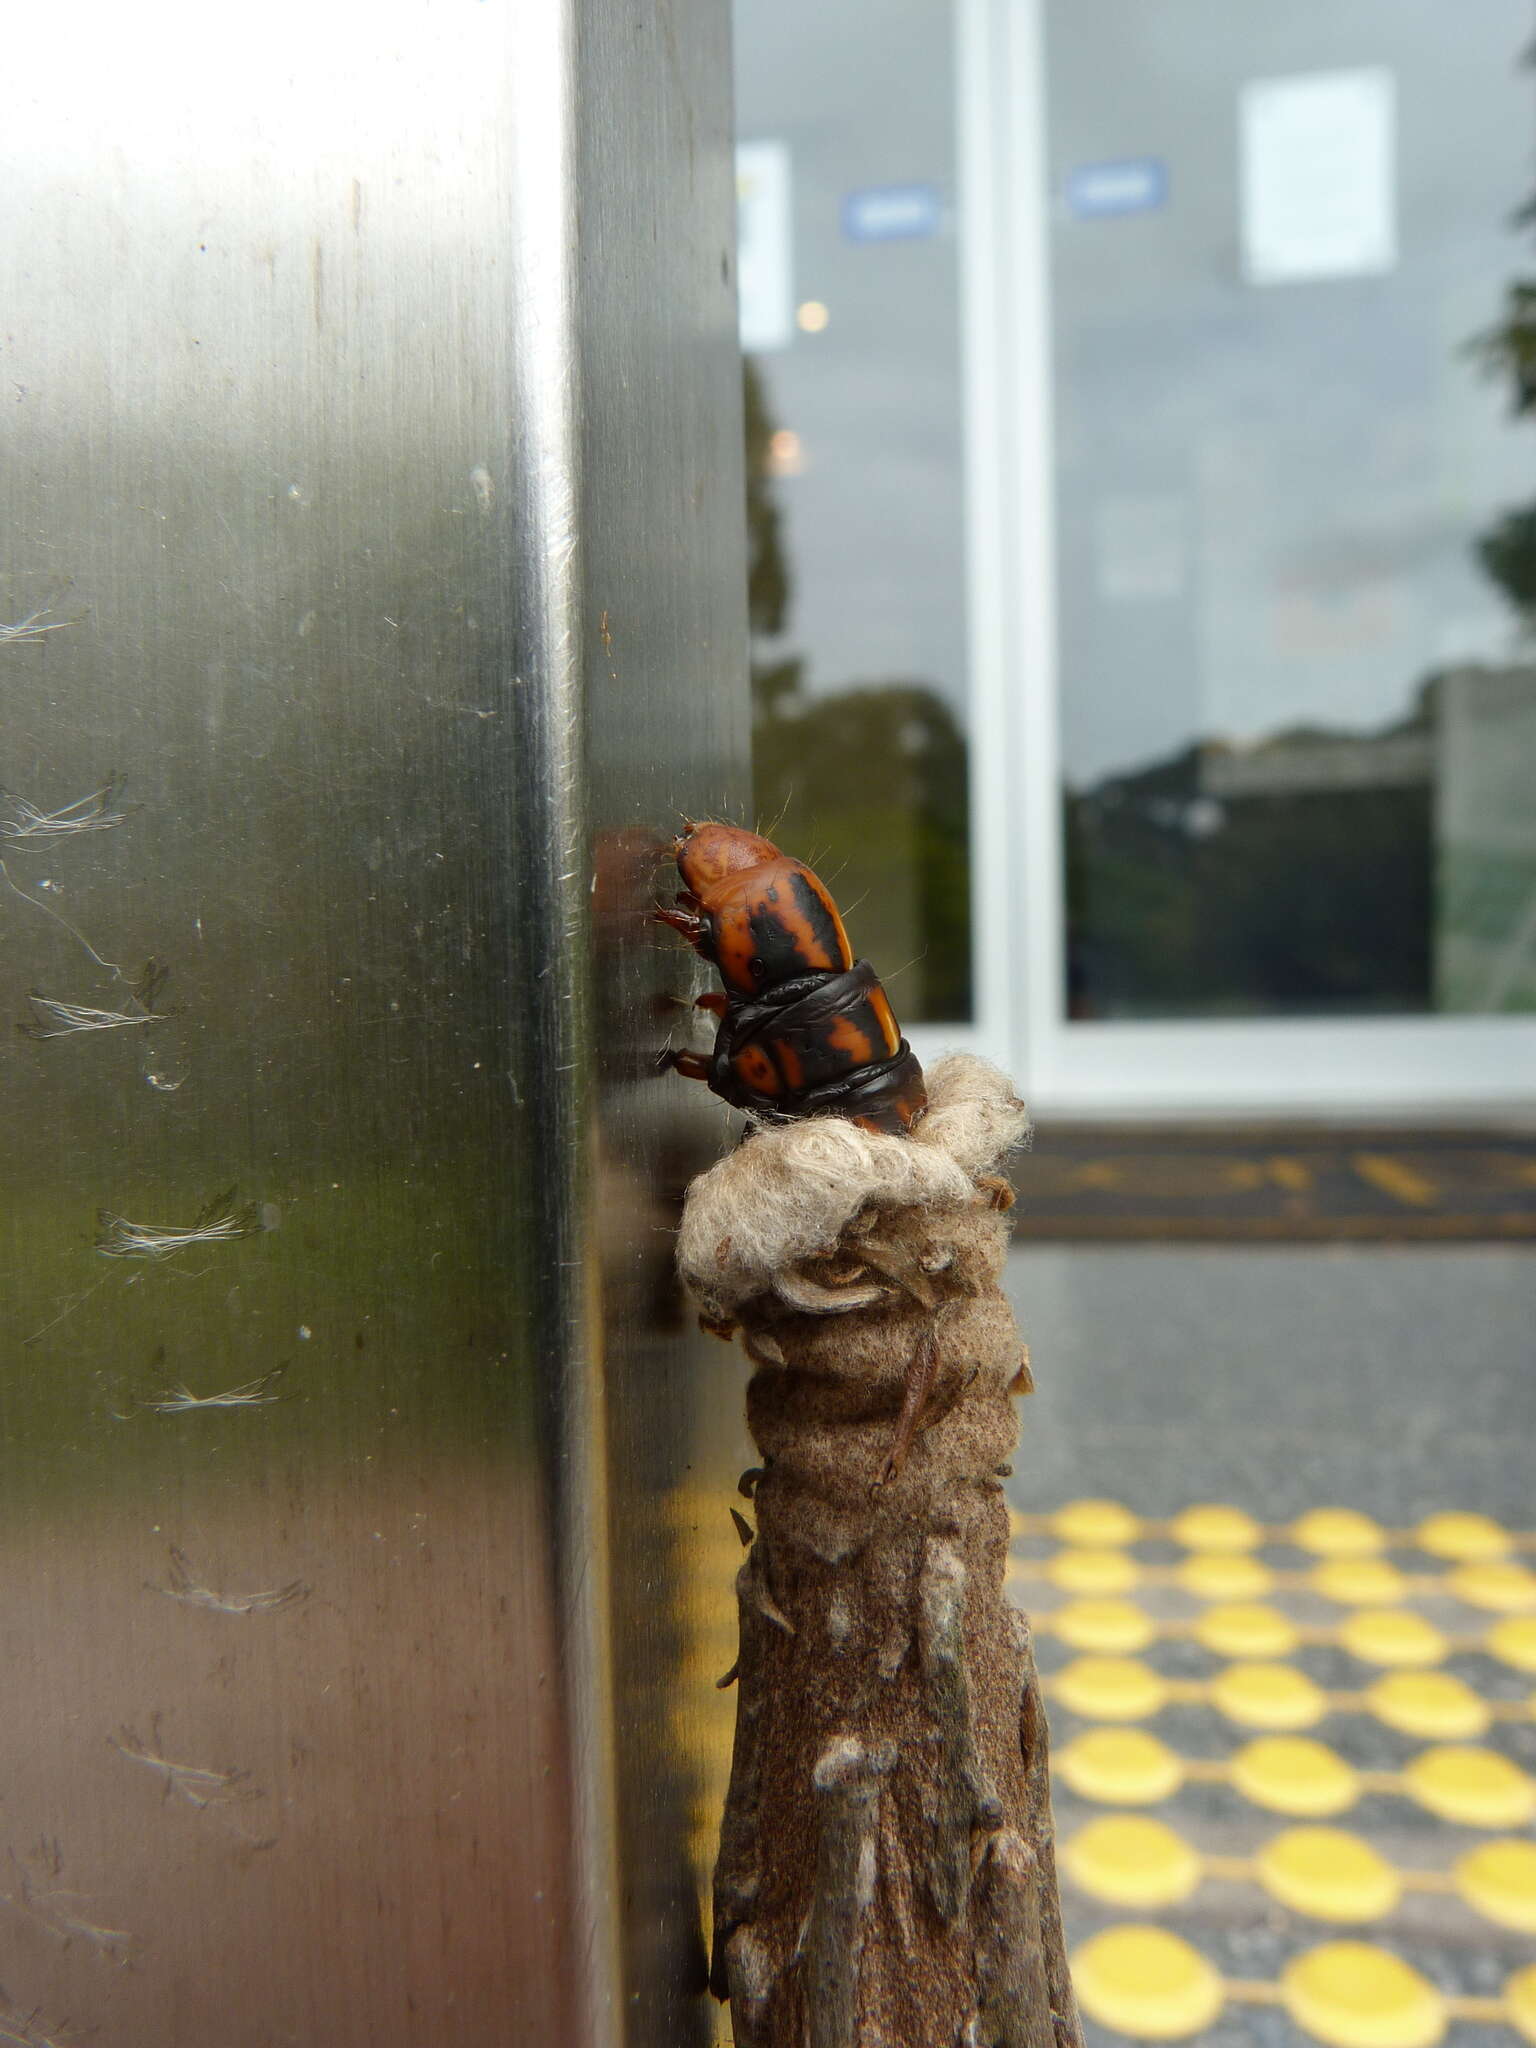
(1309, 1746)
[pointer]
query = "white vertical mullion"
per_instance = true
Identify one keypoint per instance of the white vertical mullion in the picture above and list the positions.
(988, 436)
(1032, 732)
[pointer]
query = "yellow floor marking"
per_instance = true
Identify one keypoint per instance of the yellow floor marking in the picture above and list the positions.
(1291, 1174)
(1395, 1178)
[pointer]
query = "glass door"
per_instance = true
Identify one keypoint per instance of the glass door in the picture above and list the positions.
(852, 336)
(1263, 329)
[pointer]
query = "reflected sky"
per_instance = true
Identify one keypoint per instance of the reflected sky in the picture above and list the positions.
(1268, 495)
(864, 97)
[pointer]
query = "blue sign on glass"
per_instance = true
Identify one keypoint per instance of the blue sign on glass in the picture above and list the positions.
(1134, 184)
(892, 213)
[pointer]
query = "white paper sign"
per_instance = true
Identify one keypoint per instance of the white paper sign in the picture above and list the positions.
(764, 258)
(1318, 176)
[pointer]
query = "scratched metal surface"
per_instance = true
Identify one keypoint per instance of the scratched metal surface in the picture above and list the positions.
(371, 578)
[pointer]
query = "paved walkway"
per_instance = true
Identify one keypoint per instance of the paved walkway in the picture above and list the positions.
(1289, 1633)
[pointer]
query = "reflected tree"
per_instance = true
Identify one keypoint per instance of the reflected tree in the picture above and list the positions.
(1507, 550)
(869, 782)
(1293, 899)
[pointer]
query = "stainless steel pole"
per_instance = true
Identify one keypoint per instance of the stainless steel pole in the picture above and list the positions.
(372, 600)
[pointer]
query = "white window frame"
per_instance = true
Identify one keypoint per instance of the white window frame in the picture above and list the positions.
(1385, 1067)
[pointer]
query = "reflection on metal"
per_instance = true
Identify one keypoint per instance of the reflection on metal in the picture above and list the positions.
(343, 1380)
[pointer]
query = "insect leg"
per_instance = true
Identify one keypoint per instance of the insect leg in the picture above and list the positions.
(688, 918)
(693, 1066)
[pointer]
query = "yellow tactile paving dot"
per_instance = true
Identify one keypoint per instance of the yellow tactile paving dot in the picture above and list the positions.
(1337, 1533)
(1223, 1575)
(1497, 1583)
(1129, 1859)
(1357, 1581)
(1210, 1527)
(1093, 1571)
(1391, 1635)
(1355, 1996)
(1111, 1689)
(1096, 1524)
(1513, 1642)
(1520, 2002)
(1274, 1696)
(1147, 1983)
(1498, 1880)
(1465, 1539)
(1328, 1875)
(1476, 1787)
(1112, 1626)
(1432, 1704)
(1120, 1767)
(1295, 1775)
(1246, 1628)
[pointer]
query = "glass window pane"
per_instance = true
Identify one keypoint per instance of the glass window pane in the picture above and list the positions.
(1293, 340)
(850, 322)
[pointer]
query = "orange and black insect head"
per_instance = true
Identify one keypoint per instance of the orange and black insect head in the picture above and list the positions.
(804, 1027)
